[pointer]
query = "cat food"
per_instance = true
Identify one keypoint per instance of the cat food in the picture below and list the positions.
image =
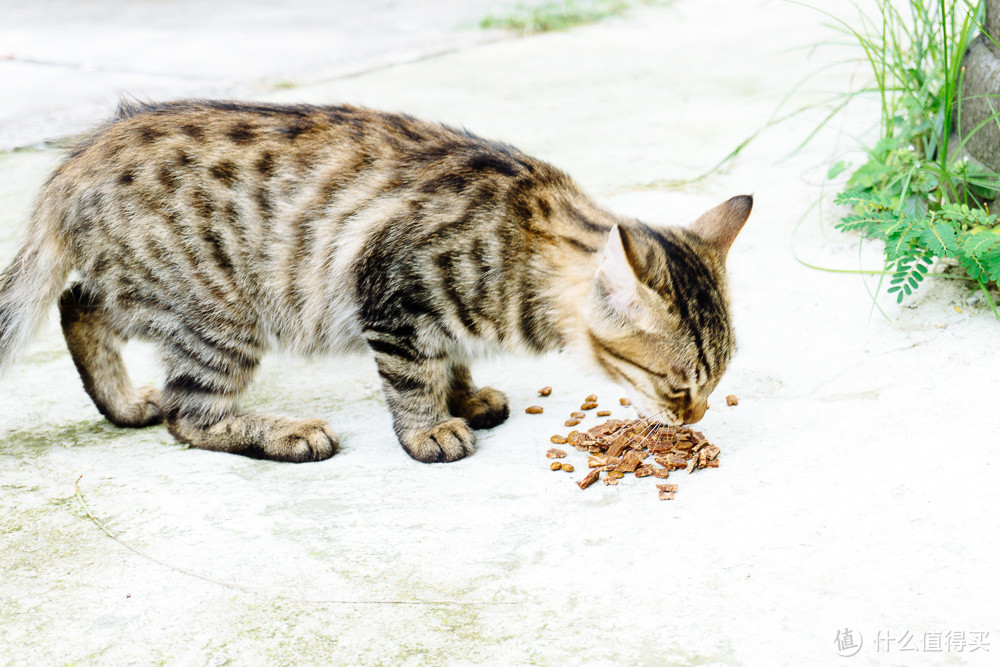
(578, 415)
(557, 440)
(572, 422)
(604, 413)
(732, 400)
(555, 453)
(555, 466)
(545, 391)
(591, 399)
(643, 448)
(534, 410)
(667, 491)
(591, 477)
(588, 406)
(567, 467)
(625, 401)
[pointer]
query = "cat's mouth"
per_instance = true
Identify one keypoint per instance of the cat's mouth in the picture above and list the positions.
(663, 415)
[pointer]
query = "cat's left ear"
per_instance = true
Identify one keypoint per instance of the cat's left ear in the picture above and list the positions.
(720, 226)
(616, 274)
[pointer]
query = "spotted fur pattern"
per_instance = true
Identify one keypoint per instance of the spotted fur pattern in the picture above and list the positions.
(222, 230)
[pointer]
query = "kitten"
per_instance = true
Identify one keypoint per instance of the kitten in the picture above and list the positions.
(220, 230)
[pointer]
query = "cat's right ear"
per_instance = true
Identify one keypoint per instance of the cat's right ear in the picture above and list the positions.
(720, 226)
(616, 275)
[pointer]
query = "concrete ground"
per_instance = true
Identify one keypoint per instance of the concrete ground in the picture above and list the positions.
(857, 489)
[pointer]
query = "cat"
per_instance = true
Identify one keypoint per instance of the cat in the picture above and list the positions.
(220, 230)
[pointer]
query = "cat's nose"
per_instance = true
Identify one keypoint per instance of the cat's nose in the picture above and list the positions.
(695, 412)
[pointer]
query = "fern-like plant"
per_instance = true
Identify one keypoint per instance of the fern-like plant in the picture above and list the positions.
(916, 193)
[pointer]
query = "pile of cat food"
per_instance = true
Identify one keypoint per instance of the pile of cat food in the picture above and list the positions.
(640, 447)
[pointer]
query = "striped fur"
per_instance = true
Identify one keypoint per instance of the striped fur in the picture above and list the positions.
(222, 230)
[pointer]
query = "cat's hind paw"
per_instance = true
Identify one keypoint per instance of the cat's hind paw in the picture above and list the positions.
(448, 441)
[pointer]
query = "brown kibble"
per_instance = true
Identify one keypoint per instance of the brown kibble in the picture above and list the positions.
(590, 478)
(732, 400)
(625, 401)
(591, 399)
(632, 460)
(534, 410)
(555, 466)
(661, 473)
(557, 440)
(572, 422)
(555, 454)
(578, 415)
(667, 491)
(644, 470)
(610, 481)
(567, 467)
(714, 463)
(545, 391)
(588, 406)
(615, 474)
(604, 413)
(619, 445)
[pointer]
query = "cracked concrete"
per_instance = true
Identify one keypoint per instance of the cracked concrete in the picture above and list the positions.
(63, 63)
(857, 487)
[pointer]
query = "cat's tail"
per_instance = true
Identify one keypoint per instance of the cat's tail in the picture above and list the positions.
(30, 284)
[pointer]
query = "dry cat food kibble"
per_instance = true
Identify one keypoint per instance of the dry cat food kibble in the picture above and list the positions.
(625, 401)
(732, 400)
(545, 391)
(604, 413)
(572, 422)
(591, 399)
(555, 466)
(588, 406)
(555, 453)
(567, 467)
(578, 415)
(643, 448)
(534, 410)
(558, 440)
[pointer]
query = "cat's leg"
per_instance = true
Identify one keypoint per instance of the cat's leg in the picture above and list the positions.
(482, 408)
(204, 382)
(95, 346)
(416, 388)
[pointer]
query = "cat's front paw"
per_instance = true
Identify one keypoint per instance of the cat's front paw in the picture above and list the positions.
(297, 440)
(484, 409)
(448, 441)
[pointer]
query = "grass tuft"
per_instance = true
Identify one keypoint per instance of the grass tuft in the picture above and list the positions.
(917, 192)
(548, 16)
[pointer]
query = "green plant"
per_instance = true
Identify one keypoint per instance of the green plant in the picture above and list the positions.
(548, 16)
(916, 192)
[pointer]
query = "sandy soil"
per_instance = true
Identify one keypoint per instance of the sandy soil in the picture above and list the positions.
(856, 489)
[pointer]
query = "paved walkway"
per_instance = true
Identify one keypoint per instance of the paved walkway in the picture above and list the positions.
(857, 487)
(63, 63)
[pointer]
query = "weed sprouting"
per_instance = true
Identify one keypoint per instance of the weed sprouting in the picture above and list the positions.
(918, 192)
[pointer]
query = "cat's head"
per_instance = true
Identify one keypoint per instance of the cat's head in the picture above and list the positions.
(658, 315)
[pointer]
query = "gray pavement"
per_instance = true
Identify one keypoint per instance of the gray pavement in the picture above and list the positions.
(857, 488)
(63, 63)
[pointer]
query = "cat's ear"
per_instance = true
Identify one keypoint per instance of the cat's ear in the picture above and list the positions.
(720, 226)
(616, 274)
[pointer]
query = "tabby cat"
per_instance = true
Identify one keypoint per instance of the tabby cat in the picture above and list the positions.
(220, 230)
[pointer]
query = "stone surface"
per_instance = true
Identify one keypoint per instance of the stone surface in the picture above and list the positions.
(978, 120)
(858, 480)
(64, 63)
